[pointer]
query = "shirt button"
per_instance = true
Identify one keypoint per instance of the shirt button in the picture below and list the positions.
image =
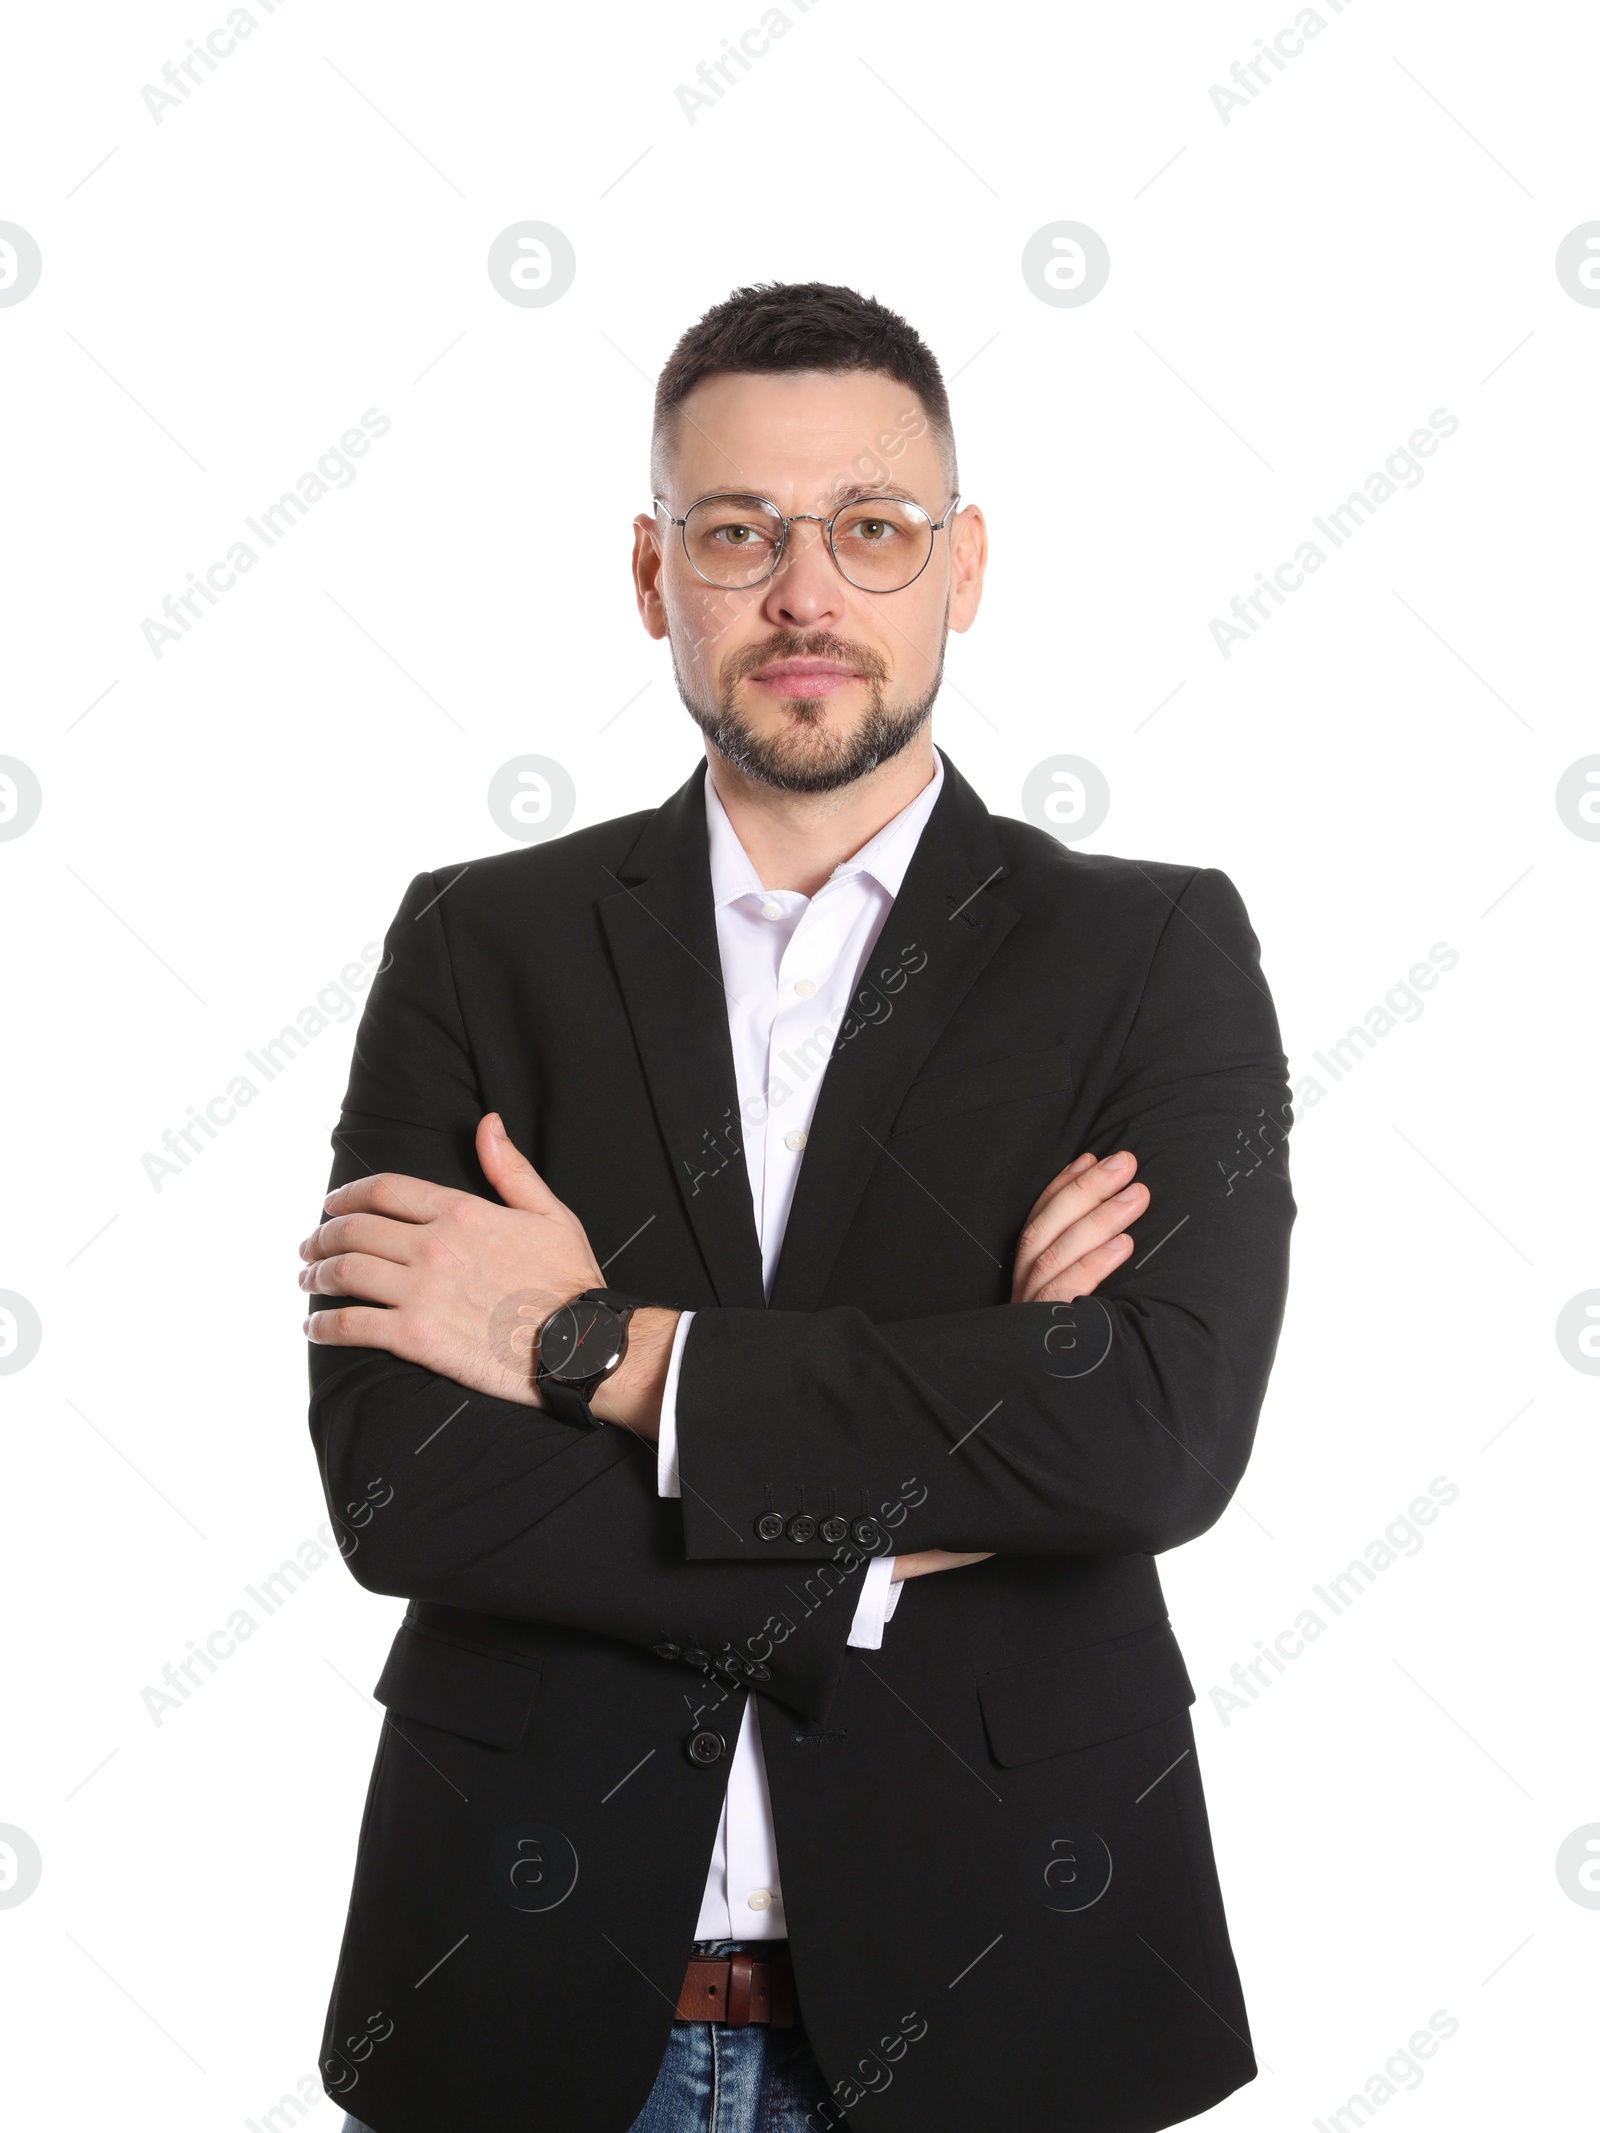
(760, 1899)
(805, 987)
(770, 910)
(794, 1139)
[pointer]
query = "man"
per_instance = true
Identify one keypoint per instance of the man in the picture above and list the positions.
(713, 1268)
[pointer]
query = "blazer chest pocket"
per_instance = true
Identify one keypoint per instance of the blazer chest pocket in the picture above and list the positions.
(486, 1696)
(1012, 1079)
(1079, 1699)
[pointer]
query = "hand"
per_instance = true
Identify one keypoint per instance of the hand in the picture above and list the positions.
(927, 1560)
(450, 1280)
(1072, 1240)
(1074, 1237)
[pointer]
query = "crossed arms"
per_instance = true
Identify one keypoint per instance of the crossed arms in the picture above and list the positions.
(442, 1269)
(1064, 1422)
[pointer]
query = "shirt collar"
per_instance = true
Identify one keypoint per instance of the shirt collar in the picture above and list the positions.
(884, 856)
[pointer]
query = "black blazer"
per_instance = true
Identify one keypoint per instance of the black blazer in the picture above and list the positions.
(1001, 1898)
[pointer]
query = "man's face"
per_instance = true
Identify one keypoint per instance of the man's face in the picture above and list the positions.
(807, 682)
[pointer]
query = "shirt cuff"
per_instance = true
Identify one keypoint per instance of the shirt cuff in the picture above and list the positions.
(877, 1601)
(667, 1440)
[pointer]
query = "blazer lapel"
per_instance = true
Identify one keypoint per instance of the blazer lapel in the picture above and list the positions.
(660, 923)
(941, 931)
(661, 927)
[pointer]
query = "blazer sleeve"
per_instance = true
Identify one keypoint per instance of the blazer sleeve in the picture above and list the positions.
(1120, 1423)
(474, 1502)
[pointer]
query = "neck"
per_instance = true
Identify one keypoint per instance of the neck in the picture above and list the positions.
(796, 839)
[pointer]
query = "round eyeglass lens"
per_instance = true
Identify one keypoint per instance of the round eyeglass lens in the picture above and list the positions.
(732, 540)
(882, 543)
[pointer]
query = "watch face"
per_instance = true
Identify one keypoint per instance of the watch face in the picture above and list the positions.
(581, 1340)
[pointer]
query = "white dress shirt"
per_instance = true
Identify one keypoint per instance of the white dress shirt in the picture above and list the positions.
(790, 964)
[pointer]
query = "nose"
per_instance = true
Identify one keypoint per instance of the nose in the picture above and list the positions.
(806, 590)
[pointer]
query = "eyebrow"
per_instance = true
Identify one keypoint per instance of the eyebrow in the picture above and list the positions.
(856, 493)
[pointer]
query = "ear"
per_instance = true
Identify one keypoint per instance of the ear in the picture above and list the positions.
(647, 572)
(969, 552)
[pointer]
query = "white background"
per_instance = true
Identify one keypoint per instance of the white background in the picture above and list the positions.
(1371, 238)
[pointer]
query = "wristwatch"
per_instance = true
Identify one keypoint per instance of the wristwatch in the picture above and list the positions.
(580, 1345)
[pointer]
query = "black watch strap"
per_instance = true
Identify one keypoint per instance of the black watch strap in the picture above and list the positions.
(567, 1404)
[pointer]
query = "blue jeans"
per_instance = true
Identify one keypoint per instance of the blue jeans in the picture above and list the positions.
(714, 2079)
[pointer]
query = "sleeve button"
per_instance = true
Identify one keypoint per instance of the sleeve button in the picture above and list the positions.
(802, 1528)
(769, 1527)
(865, 1533)
(834, 1530)
(667, 1650)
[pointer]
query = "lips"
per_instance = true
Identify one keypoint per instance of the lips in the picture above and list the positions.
(804, 670)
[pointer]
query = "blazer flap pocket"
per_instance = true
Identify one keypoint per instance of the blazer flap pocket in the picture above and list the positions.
(1077, 1699)
(485, 1695)
(1008, 1079)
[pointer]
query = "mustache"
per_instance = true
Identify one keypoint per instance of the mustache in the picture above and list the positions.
(802, 644)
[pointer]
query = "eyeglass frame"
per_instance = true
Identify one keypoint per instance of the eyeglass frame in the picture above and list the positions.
(935, 525)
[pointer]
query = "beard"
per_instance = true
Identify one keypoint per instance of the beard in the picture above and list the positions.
(803, 755)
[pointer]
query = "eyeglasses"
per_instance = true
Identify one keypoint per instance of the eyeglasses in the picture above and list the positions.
(880, 543)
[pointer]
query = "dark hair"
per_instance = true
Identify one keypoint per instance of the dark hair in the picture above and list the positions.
(799, 325)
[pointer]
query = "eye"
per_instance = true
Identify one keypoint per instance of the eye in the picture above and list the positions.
(875, 529)
(737, 532)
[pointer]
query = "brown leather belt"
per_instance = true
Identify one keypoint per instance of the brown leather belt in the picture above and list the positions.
(737, 1989)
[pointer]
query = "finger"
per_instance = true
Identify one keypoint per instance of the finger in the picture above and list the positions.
(377, 1281)
(1091, 1182)
(1083, 1276)
(376, 1234)
(1073, 1224)
(509, 1171)
(1064, 1204)
(388, 1192)
(1070, 1245)
(1075, 1168)
(354, 1326)
(1082, 1184)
